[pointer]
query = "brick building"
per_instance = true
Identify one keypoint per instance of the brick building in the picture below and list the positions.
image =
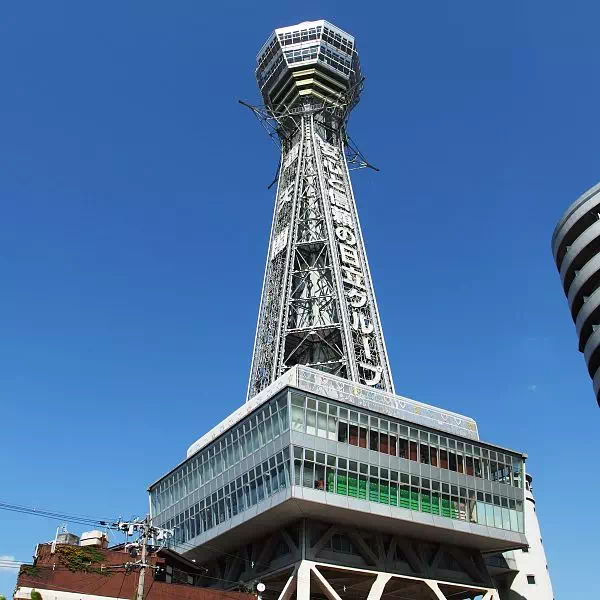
(71, 572)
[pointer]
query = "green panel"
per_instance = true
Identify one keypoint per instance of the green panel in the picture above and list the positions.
(362, 489)
(435, 504)
(414, 500)
(394, 495)
(373, 492)
(425, 503)
(384, 493)
(445, 507)
(353, 487)
(330, 482)
(342, 485)
(404, 498)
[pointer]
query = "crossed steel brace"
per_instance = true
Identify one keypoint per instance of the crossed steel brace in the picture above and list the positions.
(307, 574)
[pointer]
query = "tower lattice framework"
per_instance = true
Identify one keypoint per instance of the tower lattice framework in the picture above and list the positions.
(318, 305)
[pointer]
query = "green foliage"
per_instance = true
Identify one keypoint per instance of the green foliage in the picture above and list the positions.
(81, 559)
(2, 597)
(30, 571)
(35, 595)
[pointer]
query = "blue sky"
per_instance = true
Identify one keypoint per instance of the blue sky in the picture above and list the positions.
(135, 216)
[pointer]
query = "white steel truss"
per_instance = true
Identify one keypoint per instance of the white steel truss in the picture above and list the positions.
(318, 306)
(315, 580)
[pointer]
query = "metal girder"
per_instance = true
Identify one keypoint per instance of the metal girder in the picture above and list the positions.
(335, 544)
(317, 305)
(385, 586)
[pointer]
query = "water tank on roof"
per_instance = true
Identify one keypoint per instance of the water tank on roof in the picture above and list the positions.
(94, 538)
(67, 538)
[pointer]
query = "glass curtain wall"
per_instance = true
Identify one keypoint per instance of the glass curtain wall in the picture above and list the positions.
(266, 424)
(188, 515)
(327, 472)
(246, 491)
(330, 421)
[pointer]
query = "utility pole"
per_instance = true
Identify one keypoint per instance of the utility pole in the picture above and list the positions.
(142, 577)
(146, 530)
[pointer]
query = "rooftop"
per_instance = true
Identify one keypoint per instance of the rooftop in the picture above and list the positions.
(354, 394)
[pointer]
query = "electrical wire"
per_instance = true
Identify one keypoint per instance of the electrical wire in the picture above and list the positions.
(50, 514)
(122, 582)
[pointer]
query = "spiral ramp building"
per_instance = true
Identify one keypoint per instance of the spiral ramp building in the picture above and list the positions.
(576, 249)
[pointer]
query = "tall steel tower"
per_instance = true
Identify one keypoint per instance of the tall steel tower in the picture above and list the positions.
(318, 306)
(324, 484)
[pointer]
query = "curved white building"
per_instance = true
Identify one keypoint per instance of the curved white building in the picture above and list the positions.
(529, 577)
(576, 250)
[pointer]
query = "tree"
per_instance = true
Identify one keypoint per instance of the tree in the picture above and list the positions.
(35, 595)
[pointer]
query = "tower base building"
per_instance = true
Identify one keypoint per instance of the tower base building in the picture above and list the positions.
(321, 487)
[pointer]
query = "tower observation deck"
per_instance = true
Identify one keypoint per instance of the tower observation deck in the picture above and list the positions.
(318, 306)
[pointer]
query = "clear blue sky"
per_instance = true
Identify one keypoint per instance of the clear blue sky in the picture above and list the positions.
(135, 216)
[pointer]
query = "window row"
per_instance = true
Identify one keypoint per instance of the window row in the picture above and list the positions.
(264, 426)
(337, 61)
(302, 35)
(367, 482)
(344, 59)
(337, 40)
(301, 54)
(268, 53)
(246, 491)
(329, 421)
(263, 75)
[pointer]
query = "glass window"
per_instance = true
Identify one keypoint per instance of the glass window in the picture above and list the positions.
(320, 477)
(275, 423)
(374, 440)
(362, 437)
(321, 425)
(424, 454)
(413, 451)
(343, 432)
(268, 430)
(353, 435)
(402, 448)
(433, 456)
(452, 461)
(443, 459)
(384, 443)
(331, 428)
(392, 445)
(311, 422)
(469, 465)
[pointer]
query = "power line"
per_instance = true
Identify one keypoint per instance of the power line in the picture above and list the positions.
(105, 523)
(50, 514)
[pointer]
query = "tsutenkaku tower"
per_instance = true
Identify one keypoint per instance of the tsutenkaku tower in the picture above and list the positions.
(318, 306)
